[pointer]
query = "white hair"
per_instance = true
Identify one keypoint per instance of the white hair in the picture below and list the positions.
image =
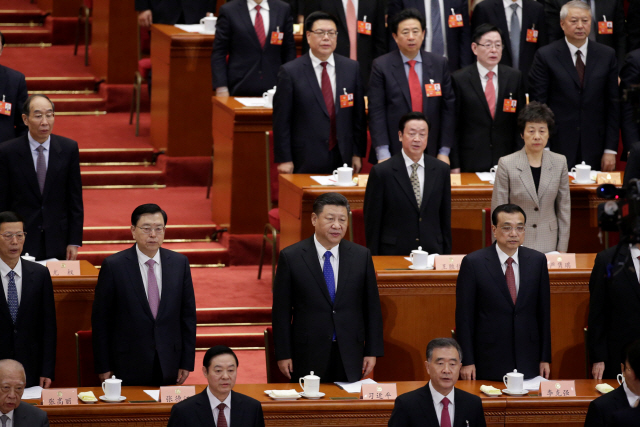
(573, 4)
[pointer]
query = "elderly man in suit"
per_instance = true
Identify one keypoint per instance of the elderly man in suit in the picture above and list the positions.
(319, 119)
(487, 129)
(449, 32)
(603, 409)
(253, 39)
(578, 79)
(408, 198)
(144, 311)
(13, 88)
(28, 322)
(630, 125)
(40, 180)
(505, 284)
(439, 403)
(218, 401)
(326, 308)
(12, 412)
(173, 12)
(409, 79)
(523, 25)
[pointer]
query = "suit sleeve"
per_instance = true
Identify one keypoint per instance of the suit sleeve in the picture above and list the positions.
(563, 209)
(288, 52)
(49, 329)
(466, 55)
(552, 13)
(373, 345)
(221, 50)
(447, 135)
(445, 212)
(501, 190)
(613, 107)
(377, 108)
(373, 210)
(188, 321)
(360, 118)
(282, 115)
(595, 418)
(399, 415)
(101, 318)
(629, 75)
(544, 311)
(143, 5)
(258, 416)
(177, 419)
(282, 308)
(465, 310)
(479, 415)
(599, 311)
(21, 128)
(478, 17)
(620, 33)
(75, 208)
(539, 79)
(380, 35)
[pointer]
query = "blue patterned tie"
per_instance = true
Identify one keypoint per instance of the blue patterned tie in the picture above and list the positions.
(437, 40)
(330, 280)
(12, 296)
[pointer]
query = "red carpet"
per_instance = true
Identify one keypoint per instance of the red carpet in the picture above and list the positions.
(59, 61)
(18, 5)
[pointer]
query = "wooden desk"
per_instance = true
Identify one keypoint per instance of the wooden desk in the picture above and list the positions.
(499, 411)
(297, 193)
(418, 306)
(74, 301)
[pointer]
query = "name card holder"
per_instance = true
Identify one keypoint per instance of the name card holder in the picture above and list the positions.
(378, 392)
(362, 180)
(448, 262)
(59, 396)
(561, 261)
(558, 388)
(64, 268)
(456, 179)
(609, 178)
(175, 394)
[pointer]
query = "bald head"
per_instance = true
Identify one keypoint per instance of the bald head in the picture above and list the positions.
(12, 382)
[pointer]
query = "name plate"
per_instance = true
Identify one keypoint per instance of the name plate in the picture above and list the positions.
(609, 178)
(362, 180)
(175, 394)
(64, 268)
(456, 179)
(378, 392)
(558, 388)
(60, 396)
(561, 261)
(448, 262)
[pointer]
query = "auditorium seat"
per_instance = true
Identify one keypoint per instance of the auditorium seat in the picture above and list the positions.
(356, 227)
(273, 372)
(272, 228)
(84, 358)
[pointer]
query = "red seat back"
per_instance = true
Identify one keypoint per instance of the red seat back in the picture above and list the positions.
(273, 372)
(84, 356)
(357, 220)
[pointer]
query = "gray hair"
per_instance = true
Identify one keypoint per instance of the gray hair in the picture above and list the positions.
(442, 343)
(573, 4)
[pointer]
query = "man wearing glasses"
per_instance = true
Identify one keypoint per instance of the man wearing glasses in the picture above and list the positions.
(144, 312)
(319, 120)
(503, 304)
(28, 321)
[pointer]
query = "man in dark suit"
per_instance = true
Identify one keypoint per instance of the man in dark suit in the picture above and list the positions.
(144, 312)
(326, 308)
(626, 418)
(486, 131)
(218, 401)
(13, 88)
(613, 33)
(503, 304)
(319, 119)
(40, 180)
(630, 121)
(578, 79)
(518, 31)
(173, 12)
(603, 409)
(633, 25)
(446, 36)
(28, 319)
(366, 29)
(12, 385)
(246, 55)
(397, 87)
(633, 164)
(614, 308)
(408, 198)
(439, 403)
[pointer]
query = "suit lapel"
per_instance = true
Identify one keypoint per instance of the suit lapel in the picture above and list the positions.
(28, 168)
(203, 409)
(133, 270)
(427, 407)
(525, 175)
(545, 173)
(401, 77)
(4, 306)
(310, 257)
(592, 54)
(3, 80)
(237, 412)
(427, 74)
(401, 175)
(564, 57)
(428, 184)
(341, 16)
(343, 271)
(245, 18)
(28, 292)
(524, 267)
(310, 73)
(339, 85)
(459, 410)
(54, 166)
(168, 281)
(495, 270)
(475, 82)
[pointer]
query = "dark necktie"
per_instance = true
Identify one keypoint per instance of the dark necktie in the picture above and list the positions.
(445, 419)
(511, 279)
(437, 41)
(327, 94)
(153, 293)
(414, 87)
(4, 419)
(259, 26)
(490, 94)
(222, 419)
(514, 36)
(580, 67)
(12, 296)
(41, 168)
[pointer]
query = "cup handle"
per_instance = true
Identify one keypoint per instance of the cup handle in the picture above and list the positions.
(301, 386)
(202, 21)
(335, 172)
(504, 380)
(620, 378)
(573, 170)
(411, 256)
(103, 390)
(264, 95)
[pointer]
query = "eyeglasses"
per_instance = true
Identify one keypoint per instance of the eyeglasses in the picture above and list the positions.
(508, 229)
(321, 33)
(490, 46)
(148, 230)
(9, 236)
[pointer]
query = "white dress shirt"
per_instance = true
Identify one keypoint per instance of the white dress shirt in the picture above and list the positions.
(408, 162)
(331, 70)
(33, 144)
(444, 23)
(635, 253)
(503, 263)
(144, 270)
(9, 418)
(4, 272)
(214, 402)
(334, 258)
(509, 12)
(437, 403)
(484, 78)
(264, 12)
(574, 49)
(631, 396)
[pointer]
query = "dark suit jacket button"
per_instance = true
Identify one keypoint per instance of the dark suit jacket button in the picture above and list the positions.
(15, 331)
(420, 219)
(334, 312)
(536, 209)
(418, 239)
(534, 226)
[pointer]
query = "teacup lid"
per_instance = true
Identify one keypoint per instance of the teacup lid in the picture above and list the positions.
(419, 251)
(515, 373)
(583, 165)
(113, 379)
(311, 377)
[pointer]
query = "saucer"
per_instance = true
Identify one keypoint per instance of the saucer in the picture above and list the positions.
(575, 181)
(208, 32)
(352, 184)
(118, 400)
(413, 267)
(315, 396)
(516, 393)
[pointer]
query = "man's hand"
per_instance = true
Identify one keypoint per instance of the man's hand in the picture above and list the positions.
(444, 158)
(455, 170)
(545, 370)
(597, 370)
(183, 374)
(356, 163)
(286, 167)
(367, 365)
(105, 376)
(144, 18)
(286, 367)
(72, 253)
(608, 162)
(45, 382)
(222, 91)
(468, 372)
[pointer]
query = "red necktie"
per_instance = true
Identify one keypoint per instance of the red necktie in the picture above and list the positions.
(511, 279)
(414, 87)
(490, 94)
(327, 94)
(259, 26)
(445, 419)
(222, 420)
(351, 27)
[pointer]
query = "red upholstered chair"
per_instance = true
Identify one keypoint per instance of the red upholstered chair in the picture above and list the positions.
(356, 227)
(272, 228)
(83, 19)
(84, 357)
(142, 74)
(486, 227)
(273, 372)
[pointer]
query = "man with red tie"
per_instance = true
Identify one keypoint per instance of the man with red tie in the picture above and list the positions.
(410, 79)
(319, 119)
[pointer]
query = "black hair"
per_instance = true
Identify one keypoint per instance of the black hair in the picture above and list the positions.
(148, 208)
(536, 112)
(2, 39)
(632, 357)
(317, 16)
(26, 107)
(443, 343)
(335, 199)
(9, 216)
(410, 13)
(484, 29)
(414, 115)
(217, 351)
(506, 208)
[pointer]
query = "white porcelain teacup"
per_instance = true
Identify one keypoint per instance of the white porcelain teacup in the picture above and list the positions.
(311, 386)
(209, 23)
(583, 173)
(343, 175)
(268, 97)
(514, 381)
(419, 258)
(112, 388)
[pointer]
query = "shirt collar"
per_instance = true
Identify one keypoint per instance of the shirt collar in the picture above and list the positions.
(252, 4)
(483, 71)
(418, 58)
(4, 268)
(142, 258)
(504, 257)
(437, 397)
(316, 62)
(408, 162)
(35, 144)
(9, 415)
(574, 49)
(214, 401)
(631, 396)
(635, 251)
(321, 249)
(508, 3)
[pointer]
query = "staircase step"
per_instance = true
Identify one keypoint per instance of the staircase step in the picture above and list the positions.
(94, 235)
(96, 155)
(40, 84)
(26, 35)
(81, 103)
(134, 175)
(34, 16)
